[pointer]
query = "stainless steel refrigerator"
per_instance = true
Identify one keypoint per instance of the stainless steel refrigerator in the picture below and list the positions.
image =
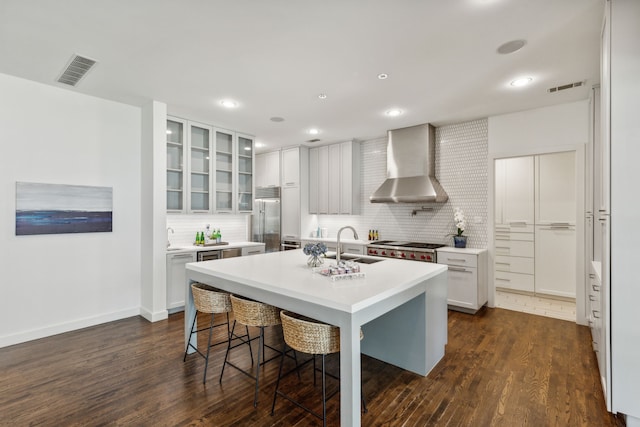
(265, 224)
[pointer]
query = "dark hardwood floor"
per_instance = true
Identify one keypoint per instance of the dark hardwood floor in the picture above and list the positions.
(501, 368)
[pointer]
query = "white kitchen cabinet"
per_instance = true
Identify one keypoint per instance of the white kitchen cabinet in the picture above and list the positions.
(514, 192)
(334, 175)
(314, 164)
(321, 192)
(555, 188)
(335, 182)
(176, 165)
(268, 169)
(290, 212)
(291, 167)
(252, 250)
(177, 279)
(467, 278)
(514, 260)
(555, 266)
(199, 166)
(208, 170)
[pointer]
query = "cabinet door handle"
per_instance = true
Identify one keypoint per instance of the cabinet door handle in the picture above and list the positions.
(558, 227)
(558, 224)
(461, 270)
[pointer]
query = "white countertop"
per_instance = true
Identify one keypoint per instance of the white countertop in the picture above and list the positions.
(192, 248)
(461, 250)
(287, 273)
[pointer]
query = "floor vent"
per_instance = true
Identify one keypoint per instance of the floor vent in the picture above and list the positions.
(564, 87)
(75, 70)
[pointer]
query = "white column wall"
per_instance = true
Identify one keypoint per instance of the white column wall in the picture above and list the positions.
(56, 283)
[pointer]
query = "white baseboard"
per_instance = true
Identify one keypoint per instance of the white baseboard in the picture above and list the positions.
(154, 317)
(72, 325)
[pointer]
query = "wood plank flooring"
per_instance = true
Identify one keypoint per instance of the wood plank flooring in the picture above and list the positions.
(501, 368)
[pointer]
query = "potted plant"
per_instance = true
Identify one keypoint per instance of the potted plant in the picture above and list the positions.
(459, 241)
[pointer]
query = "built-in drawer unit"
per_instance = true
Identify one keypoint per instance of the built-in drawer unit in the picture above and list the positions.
(514, 281)
(467, 277)
(515, 248)
(514, 264)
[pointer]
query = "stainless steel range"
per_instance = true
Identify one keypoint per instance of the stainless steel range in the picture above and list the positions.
(415, 251)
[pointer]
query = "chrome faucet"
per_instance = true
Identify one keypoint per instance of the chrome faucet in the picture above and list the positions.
(355, 236)
(169, 241)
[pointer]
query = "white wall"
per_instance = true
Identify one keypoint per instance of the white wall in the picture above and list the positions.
(56, 283)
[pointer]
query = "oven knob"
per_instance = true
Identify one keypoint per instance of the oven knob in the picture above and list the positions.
(375, 252)
(428, 257)
(393, 254)
(422, 257)
(370, 251)
(384, 252)
(403, 255)
(413, 256)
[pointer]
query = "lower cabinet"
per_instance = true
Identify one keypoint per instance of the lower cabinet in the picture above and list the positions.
(252, 250)
(177, 279)
(467, 278)
(555, 272)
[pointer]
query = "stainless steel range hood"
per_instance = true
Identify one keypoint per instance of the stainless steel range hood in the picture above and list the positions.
(411, 162)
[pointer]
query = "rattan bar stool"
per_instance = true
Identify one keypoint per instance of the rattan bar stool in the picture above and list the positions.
(209, 300)
(312, 337)
(253, 313)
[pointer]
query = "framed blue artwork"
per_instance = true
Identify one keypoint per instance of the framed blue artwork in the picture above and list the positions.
(57, 209)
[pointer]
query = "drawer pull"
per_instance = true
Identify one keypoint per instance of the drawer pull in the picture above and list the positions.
(503, 247)
(592, 276)
(503, 263)
(504, 280)
(518, 223)
(596, 288)
(594, 314)
(504, 240)
(592, 298)
(461, 270)
(456, 259)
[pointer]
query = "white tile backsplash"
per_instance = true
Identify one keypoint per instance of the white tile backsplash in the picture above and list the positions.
(461, 168)
(234, 228)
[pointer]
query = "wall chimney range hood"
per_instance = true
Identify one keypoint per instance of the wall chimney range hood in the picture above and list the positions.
(411, 162)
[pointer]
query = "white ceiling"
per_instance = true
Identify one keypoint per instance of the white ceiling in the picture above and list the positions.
(274, 57)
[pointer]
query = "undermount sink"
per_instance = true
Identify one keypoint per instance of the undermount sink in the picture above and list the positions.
(357, 259)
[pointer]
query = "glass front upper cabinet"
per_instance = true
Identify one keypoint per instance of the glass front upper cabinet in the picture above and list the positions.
(175, 165)
(199, 167)
(245, 174)
(224, 171)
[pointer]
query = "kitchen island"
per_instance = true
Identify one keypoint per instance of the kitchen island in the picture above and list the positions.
(401, 307)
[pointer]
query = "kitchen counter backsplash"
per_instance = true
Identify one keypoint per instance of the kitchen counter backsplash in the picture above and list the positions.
(233, 228)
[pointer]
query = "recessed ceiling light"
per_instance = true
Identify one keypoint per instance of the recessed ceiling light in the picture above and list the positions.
(522, 81)
(322, 96)
(313, 131)
(511, 46)
(394, 112)
(383, 76)
(229, 103)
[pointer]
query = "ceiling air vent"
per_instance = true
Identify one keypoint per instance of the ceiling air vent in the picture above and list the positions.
(314, 140)
(564, 87)
(75, 70)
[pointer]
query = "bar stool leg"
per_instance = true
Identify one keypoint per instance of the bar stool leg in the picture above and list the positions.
(275, 394)
(260, 350)
(324, 394)
(206, 362)
(226, 355)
